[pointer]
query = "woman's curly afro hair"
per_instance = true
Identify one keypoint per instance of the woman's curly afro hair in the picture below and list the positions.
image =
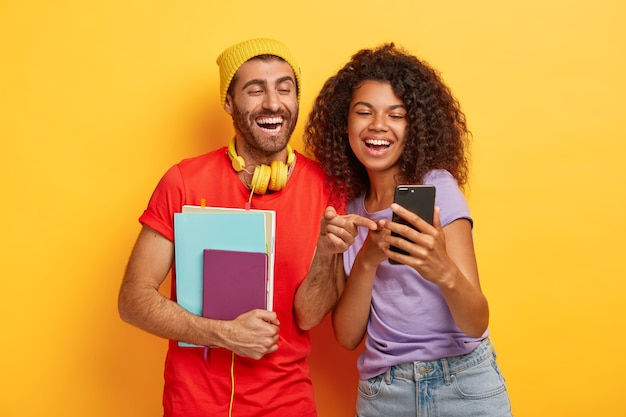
(437, 134)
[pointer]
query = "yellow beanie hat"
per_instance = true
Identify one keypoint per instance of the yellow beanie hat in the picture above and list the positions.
(233, 57)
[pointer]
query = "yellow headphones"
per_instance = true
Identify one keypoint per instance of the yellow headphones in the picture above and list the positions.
(273, 176)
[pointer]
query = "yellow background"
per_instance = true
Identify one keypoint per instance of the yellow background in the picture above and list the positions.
(99, 98)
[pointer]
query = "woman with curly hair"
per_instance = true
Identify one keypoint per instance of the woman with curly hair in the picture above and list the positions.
(387, 118)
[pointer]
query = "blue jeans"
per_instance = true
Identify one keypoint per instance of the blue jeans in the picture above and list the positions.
(463, 386)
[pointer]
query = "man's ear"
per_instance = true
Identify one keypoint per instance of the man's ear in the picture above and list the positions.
(228, 104)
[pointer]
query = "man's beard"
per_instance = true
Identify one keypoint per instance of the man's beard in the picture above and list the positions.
(257, 142)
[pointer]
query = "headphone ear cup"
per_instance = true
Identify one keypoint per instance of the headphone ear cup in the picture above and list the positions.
(278, 178)
(291, 156)
(238, 163)
(261, 179)
(236, 160)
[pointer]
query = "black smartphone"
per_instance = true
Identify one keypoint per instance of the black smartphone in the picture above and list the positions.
(420, 199)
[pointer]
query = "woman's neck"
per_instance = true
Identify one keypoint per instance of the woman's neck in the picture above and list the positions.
(381, 191)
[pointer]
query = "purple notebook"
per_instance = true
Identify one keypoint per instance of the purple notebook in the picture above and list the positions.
(234, 282)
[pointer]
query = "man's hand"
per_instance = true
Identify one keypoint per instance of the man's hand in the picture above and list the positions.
(337, 232)
(253, 334)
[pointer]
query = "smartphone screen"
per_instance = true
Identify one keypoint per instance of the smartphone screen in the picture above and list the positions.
(420, 199)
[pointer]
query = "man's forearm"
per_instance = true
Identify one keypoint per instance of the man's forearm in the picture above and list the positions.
(318, 293)
(156, 314)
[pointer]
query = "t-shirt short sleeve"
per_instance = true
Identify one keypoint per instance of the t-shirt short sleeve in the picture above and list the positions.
(448, 197)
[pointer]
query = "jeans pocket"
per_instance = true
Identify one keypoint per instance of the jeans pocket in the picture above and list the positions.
(370, 388)
(480, 381)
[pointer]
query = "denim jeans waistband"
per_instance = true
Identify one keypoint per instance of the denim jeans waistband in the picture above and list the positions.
(440, 368)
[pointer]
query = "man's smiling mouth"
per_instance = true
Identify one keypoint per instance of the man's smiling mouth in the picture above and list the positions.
(270, 124)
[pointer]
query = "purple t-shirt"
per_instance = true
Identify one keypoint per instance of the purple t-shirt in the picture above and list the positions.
(409, 318)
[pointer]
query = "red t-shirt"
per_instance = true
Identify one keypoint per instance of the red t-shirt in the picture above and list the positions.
(278, 384)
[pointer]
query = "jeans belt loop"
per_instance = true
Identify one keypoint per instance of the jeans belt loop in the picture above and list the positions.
(388, 376)
(445, 370)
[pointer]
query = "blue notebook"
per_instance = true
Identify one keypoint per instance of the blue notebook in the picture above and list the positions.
(195, 232)
(270, 231)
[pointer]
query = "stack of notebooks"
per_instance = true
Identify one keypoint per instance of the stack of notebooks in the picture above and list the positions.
(224, 260)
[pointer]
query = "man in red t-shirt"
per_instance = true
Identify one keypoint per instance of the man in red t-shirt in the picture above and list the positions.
(259, 367)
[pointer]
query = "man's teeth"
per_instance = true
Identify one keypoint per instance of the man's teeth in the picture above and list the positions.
(270, 124)
(270, 121)
(377, 142)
